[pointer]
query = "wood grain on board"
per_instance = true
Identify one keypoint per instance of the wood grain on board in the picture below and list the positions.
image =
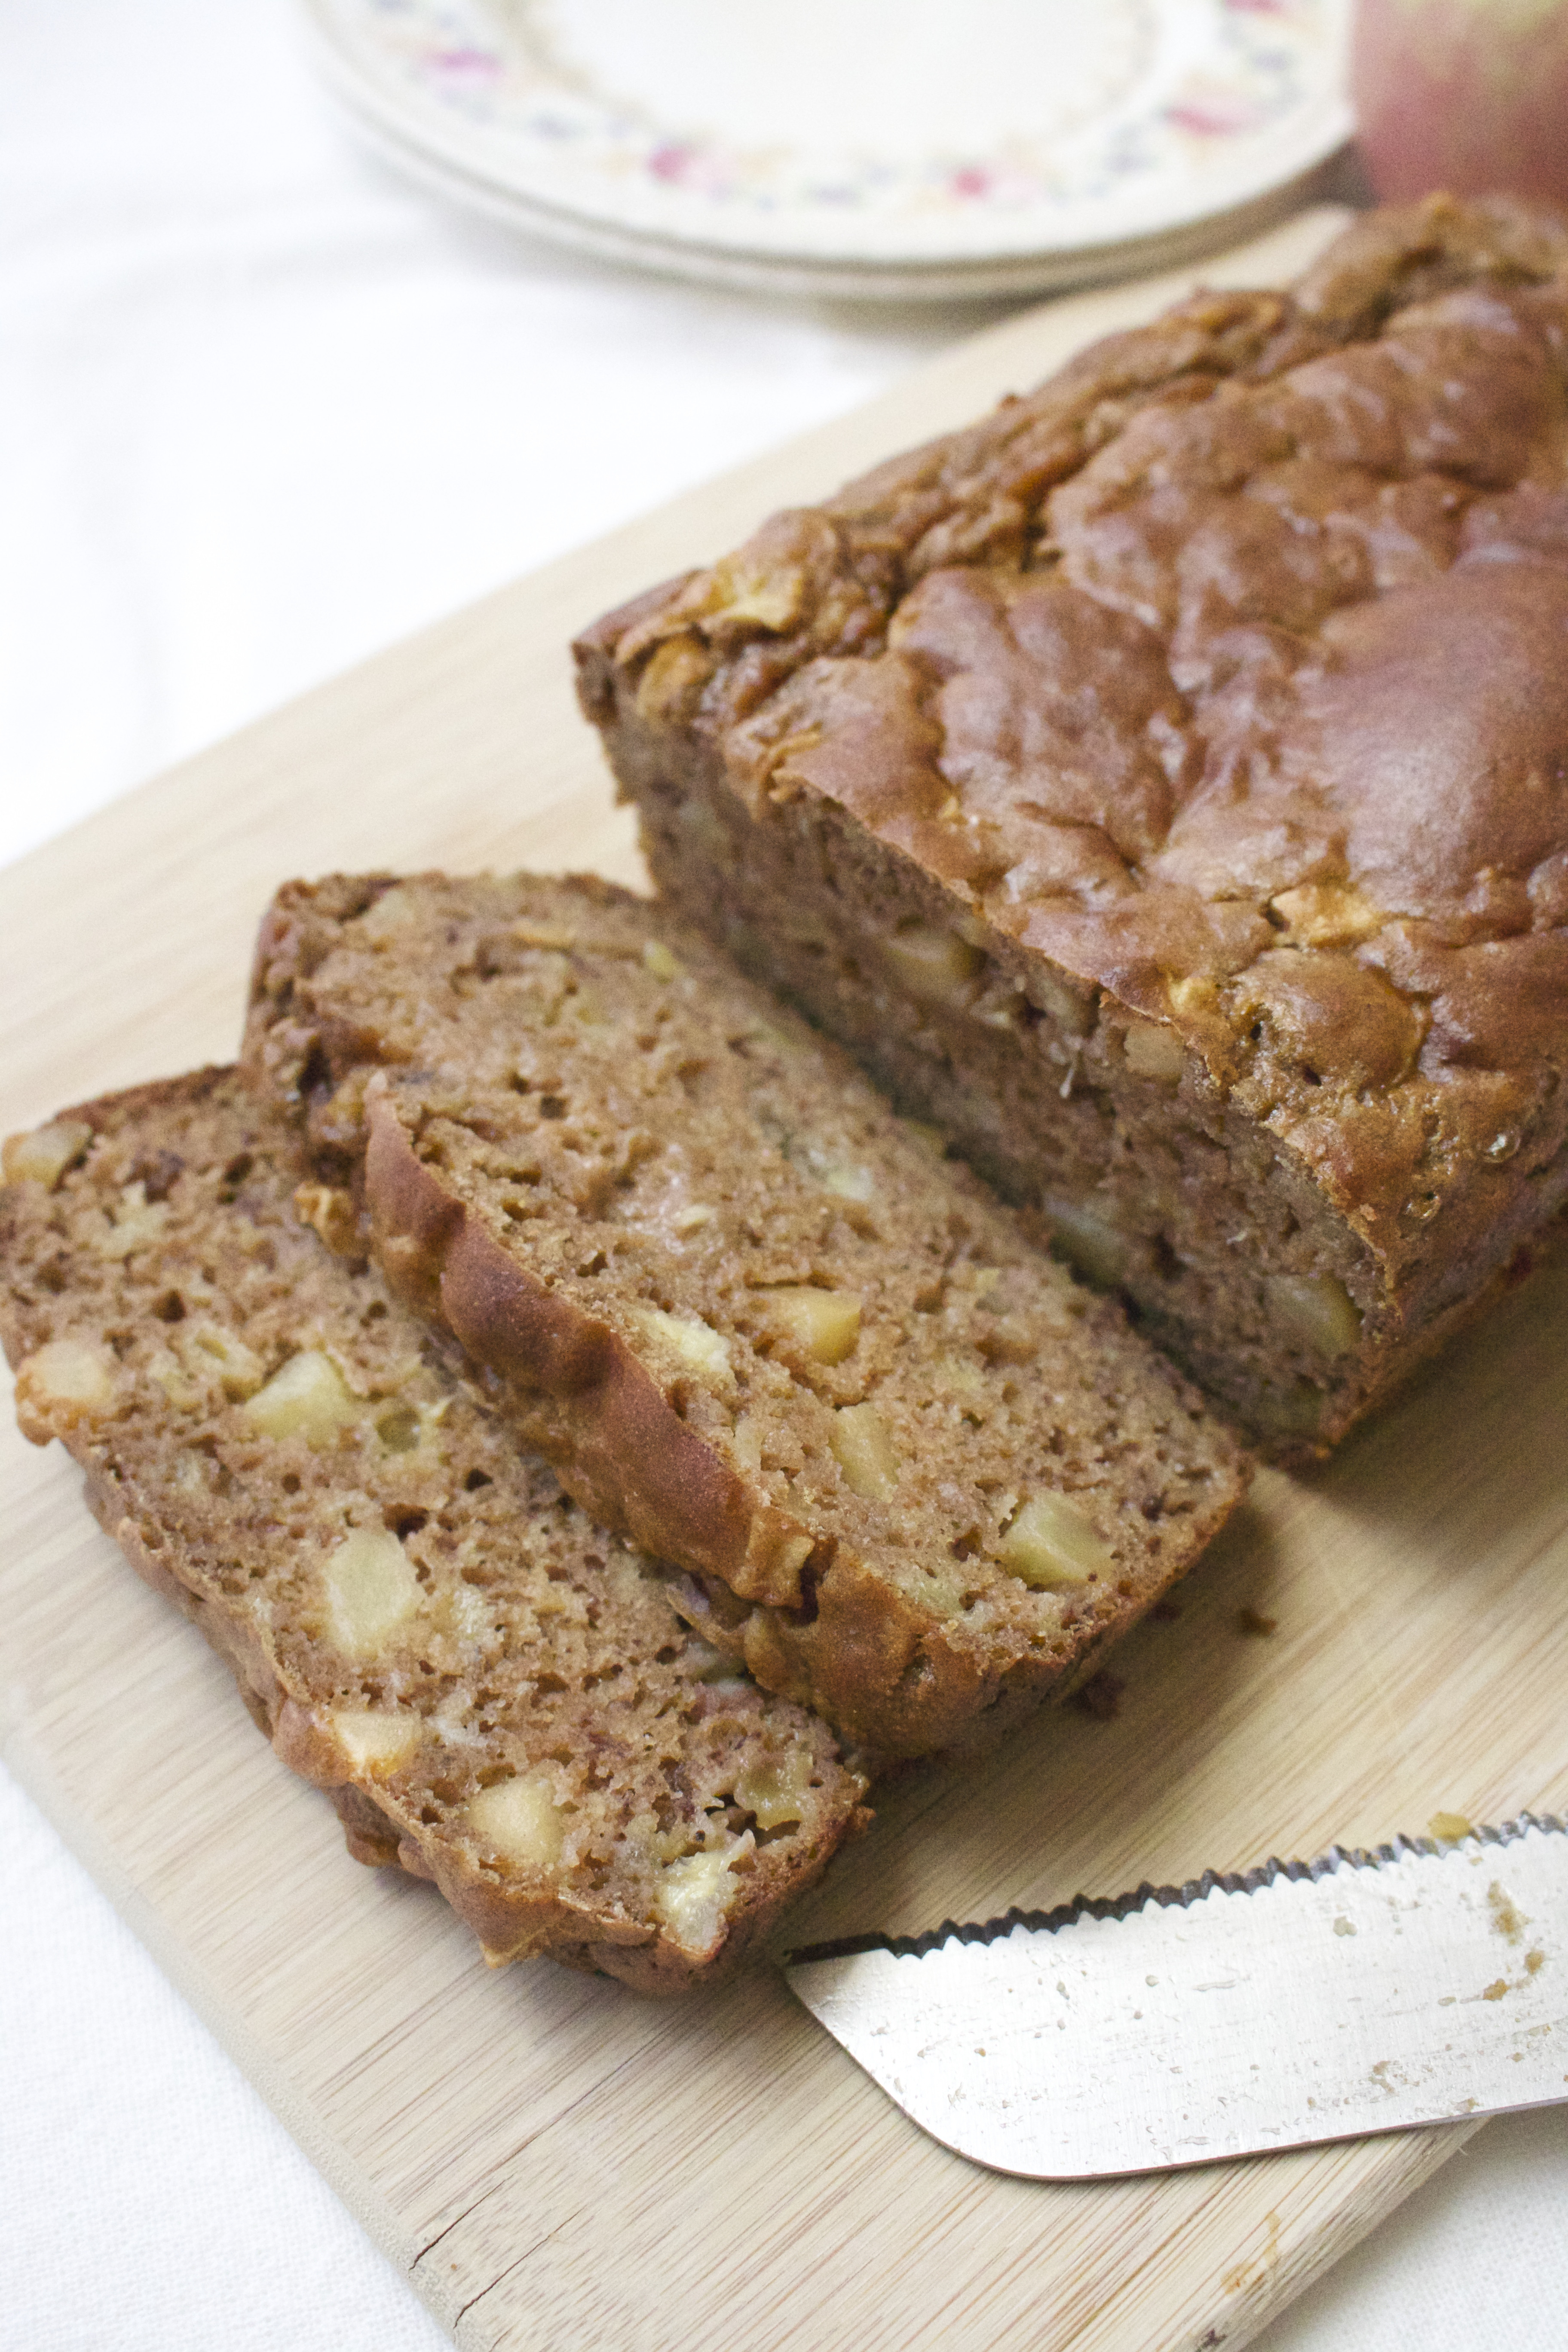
(557, 2164)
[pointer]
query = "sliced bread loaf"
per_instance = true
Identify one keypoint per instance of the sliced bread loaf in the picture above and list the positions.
(498, 1697)
(919, 1474)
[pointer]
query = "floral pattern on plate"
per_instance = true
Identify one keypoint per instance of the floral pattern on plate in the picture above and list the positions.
(906, 131)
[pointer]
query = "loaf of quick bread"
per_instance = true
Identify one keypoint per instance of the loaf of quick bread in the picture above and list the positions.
(916, 1474)
(498, 1696)
(1163, 787)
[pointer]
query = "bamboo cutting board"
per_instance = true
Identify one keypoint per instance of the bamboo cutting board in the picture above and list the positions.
(556, 2164)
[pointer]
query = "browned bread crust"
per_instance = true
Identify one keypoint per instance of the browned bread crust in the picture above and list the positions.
(419, 1619)
(632, 1187)
(1161, 785)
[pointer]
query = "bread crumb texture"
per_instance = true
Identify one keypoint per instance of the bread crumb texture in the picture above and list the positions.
(500, 1696)
(914, 1471)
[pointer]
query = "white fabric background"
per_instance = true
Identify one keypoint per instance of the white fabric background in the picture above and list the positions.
(262, 409)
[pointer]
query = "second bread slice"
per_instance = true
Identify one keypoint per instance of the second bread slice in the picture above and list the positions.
(755, 1320)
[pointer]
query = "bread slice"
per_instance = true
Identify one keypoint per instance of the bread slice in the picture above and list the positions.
(496, 1695)
(1159, 786)
(920, 1475)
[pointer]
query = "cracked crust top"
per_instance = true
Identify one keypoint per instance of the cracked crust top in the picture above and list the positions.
(1227, 673)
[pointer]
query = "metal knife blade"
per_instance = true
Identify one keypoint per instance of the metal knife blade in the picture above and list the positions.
(1420, 1983)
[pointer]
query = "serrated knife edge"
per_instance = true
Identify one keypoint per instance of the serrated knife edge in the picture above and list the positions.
(1367, 1990)
(1191, 1890)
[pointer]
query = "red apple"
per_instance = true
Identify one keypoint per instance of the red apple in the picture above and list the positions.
(1467, 95)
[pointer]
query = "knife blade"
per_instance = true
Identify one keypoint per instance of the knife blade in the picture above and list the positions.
(1421, 1982)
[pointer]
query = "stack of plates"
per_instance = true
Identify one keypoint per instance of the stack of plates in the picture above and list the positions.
(901, 149)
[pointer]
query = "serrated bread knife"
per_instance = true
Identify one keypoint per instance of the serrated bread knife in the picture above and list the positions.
(1421, 1983)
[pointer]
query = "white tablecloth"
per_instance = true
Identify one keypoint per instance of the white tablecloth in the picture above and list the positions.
(262, 409)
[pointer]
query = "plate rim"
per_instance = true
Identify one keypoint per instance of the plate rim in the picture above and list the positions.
(789, 277)
(1008, 254)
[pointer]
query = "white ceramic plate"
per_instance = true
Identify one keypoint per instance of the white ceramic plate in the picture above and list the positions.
(861, 146)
